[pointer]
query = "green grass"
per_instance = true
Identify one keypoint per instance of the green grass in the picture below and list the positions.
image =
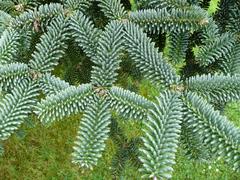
(38, 152)
(232, 111)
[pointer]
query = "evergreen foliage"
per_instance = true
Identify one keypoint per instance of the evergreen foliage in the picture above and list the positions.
(93, 132)
(161, 136)
(38, 17)
(112, 9)
(51, 48)
(176, 45)
(216, 88)
(69, 101)
(230, 61)
(84, 33)
(183, 114)
(215, 49)
(213, 6)
(128, 104)
(9, 43)
(163, 20)
(5, 18)
(108, 55)
(16, 106)
(11, 73)
(215, 131)
(80, 5)
(147, 58)
(51, 84)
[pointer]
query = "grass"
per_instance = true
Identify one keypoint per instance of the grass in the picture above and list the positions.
(38, 152)
(232, 111)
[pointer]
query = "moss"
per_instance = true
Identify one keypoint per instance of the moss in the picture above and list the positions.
(148, 90)
(131, 129)
(232, 111)
(37, 152)
(189, 169)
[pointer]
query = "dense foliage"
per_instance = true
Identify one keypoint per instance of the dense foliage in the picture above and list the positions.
(196, 73)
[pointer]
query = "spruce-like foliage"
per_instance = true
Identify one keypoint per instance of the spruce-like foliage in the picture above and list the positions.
(183, 113)
(216, 88)
(16, 106)
(9, 43)
(215, 49)
(161, 136)
(84, 33)
(215, 131)
(108, 55)
(164, 20)
(176, 46)
(22, 81)
(149, 61)
(93, 132)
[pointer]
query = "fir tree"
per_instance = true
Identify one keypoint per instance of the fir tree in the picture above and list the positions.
(184, 112)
